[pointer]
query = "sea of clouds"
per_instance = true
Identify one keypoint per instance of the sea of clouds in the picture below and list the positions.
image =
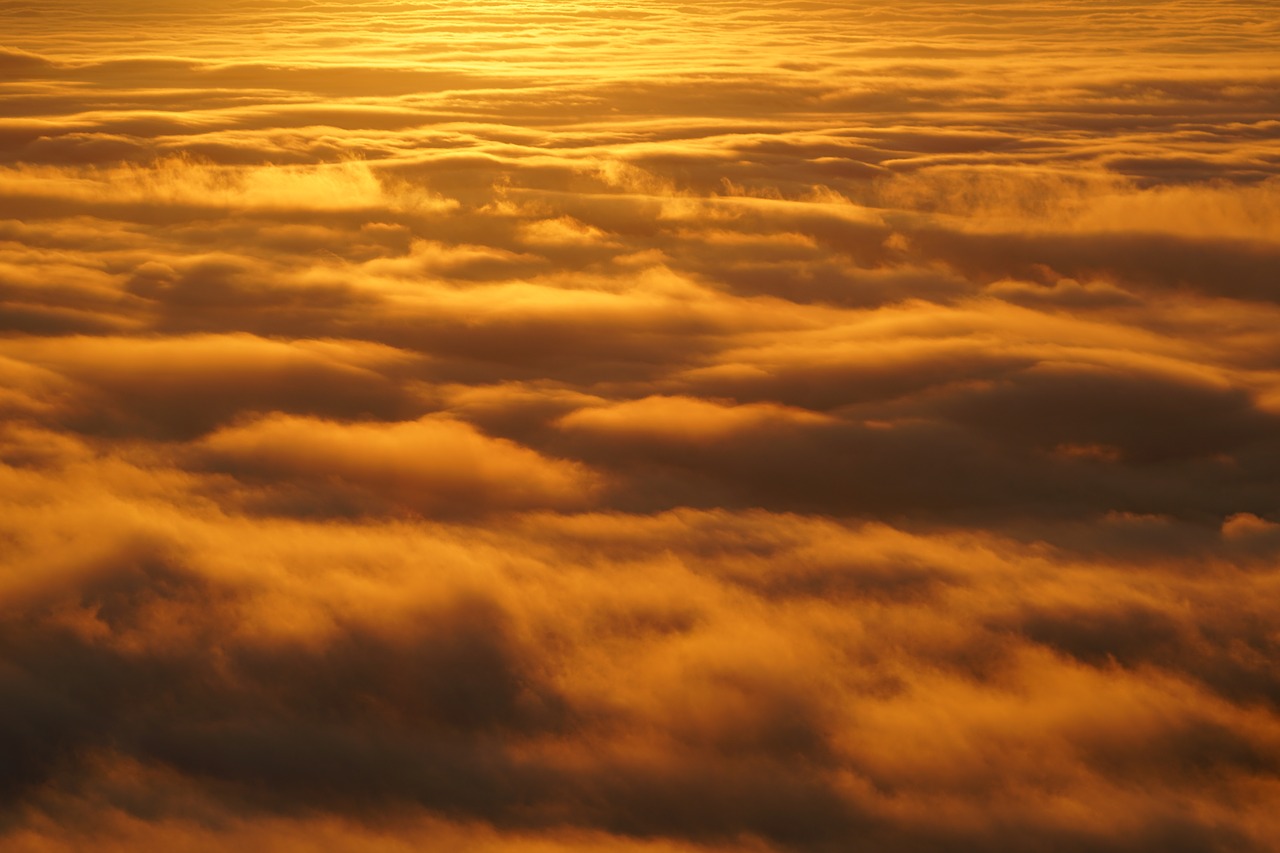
(639, 426)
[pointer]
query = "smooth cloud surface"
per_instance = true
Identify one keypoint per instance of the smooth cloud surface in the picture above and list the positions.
(636, 426)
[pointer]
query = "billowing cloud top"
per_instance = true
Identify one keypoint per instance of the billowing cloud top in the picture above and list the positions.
(639, 426)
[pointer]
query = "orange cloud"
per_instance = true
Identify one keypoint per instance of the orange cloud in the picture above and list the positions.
(683, 419)
(435, 465)
(526, 426)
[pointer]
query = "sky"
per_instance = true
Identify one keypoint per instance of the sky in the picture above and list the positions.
(639, 426)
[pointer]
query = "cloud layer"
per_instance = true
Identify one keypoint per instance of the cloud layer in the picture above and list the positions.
(641, 427)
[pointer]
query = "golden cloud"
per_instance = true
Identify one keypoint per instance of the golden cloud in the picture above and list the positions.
(529, 426)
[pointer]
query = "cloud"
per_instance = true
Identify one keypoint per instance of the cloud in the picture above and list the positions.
(610, 667)
(682, 420)
(434, 465)
(784, 427)
(166, 387)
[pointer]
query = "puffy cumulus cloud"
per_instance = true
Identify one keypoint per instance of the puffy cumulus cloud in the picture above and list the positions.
(631, 426)
(435, 465)
(686, 675)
